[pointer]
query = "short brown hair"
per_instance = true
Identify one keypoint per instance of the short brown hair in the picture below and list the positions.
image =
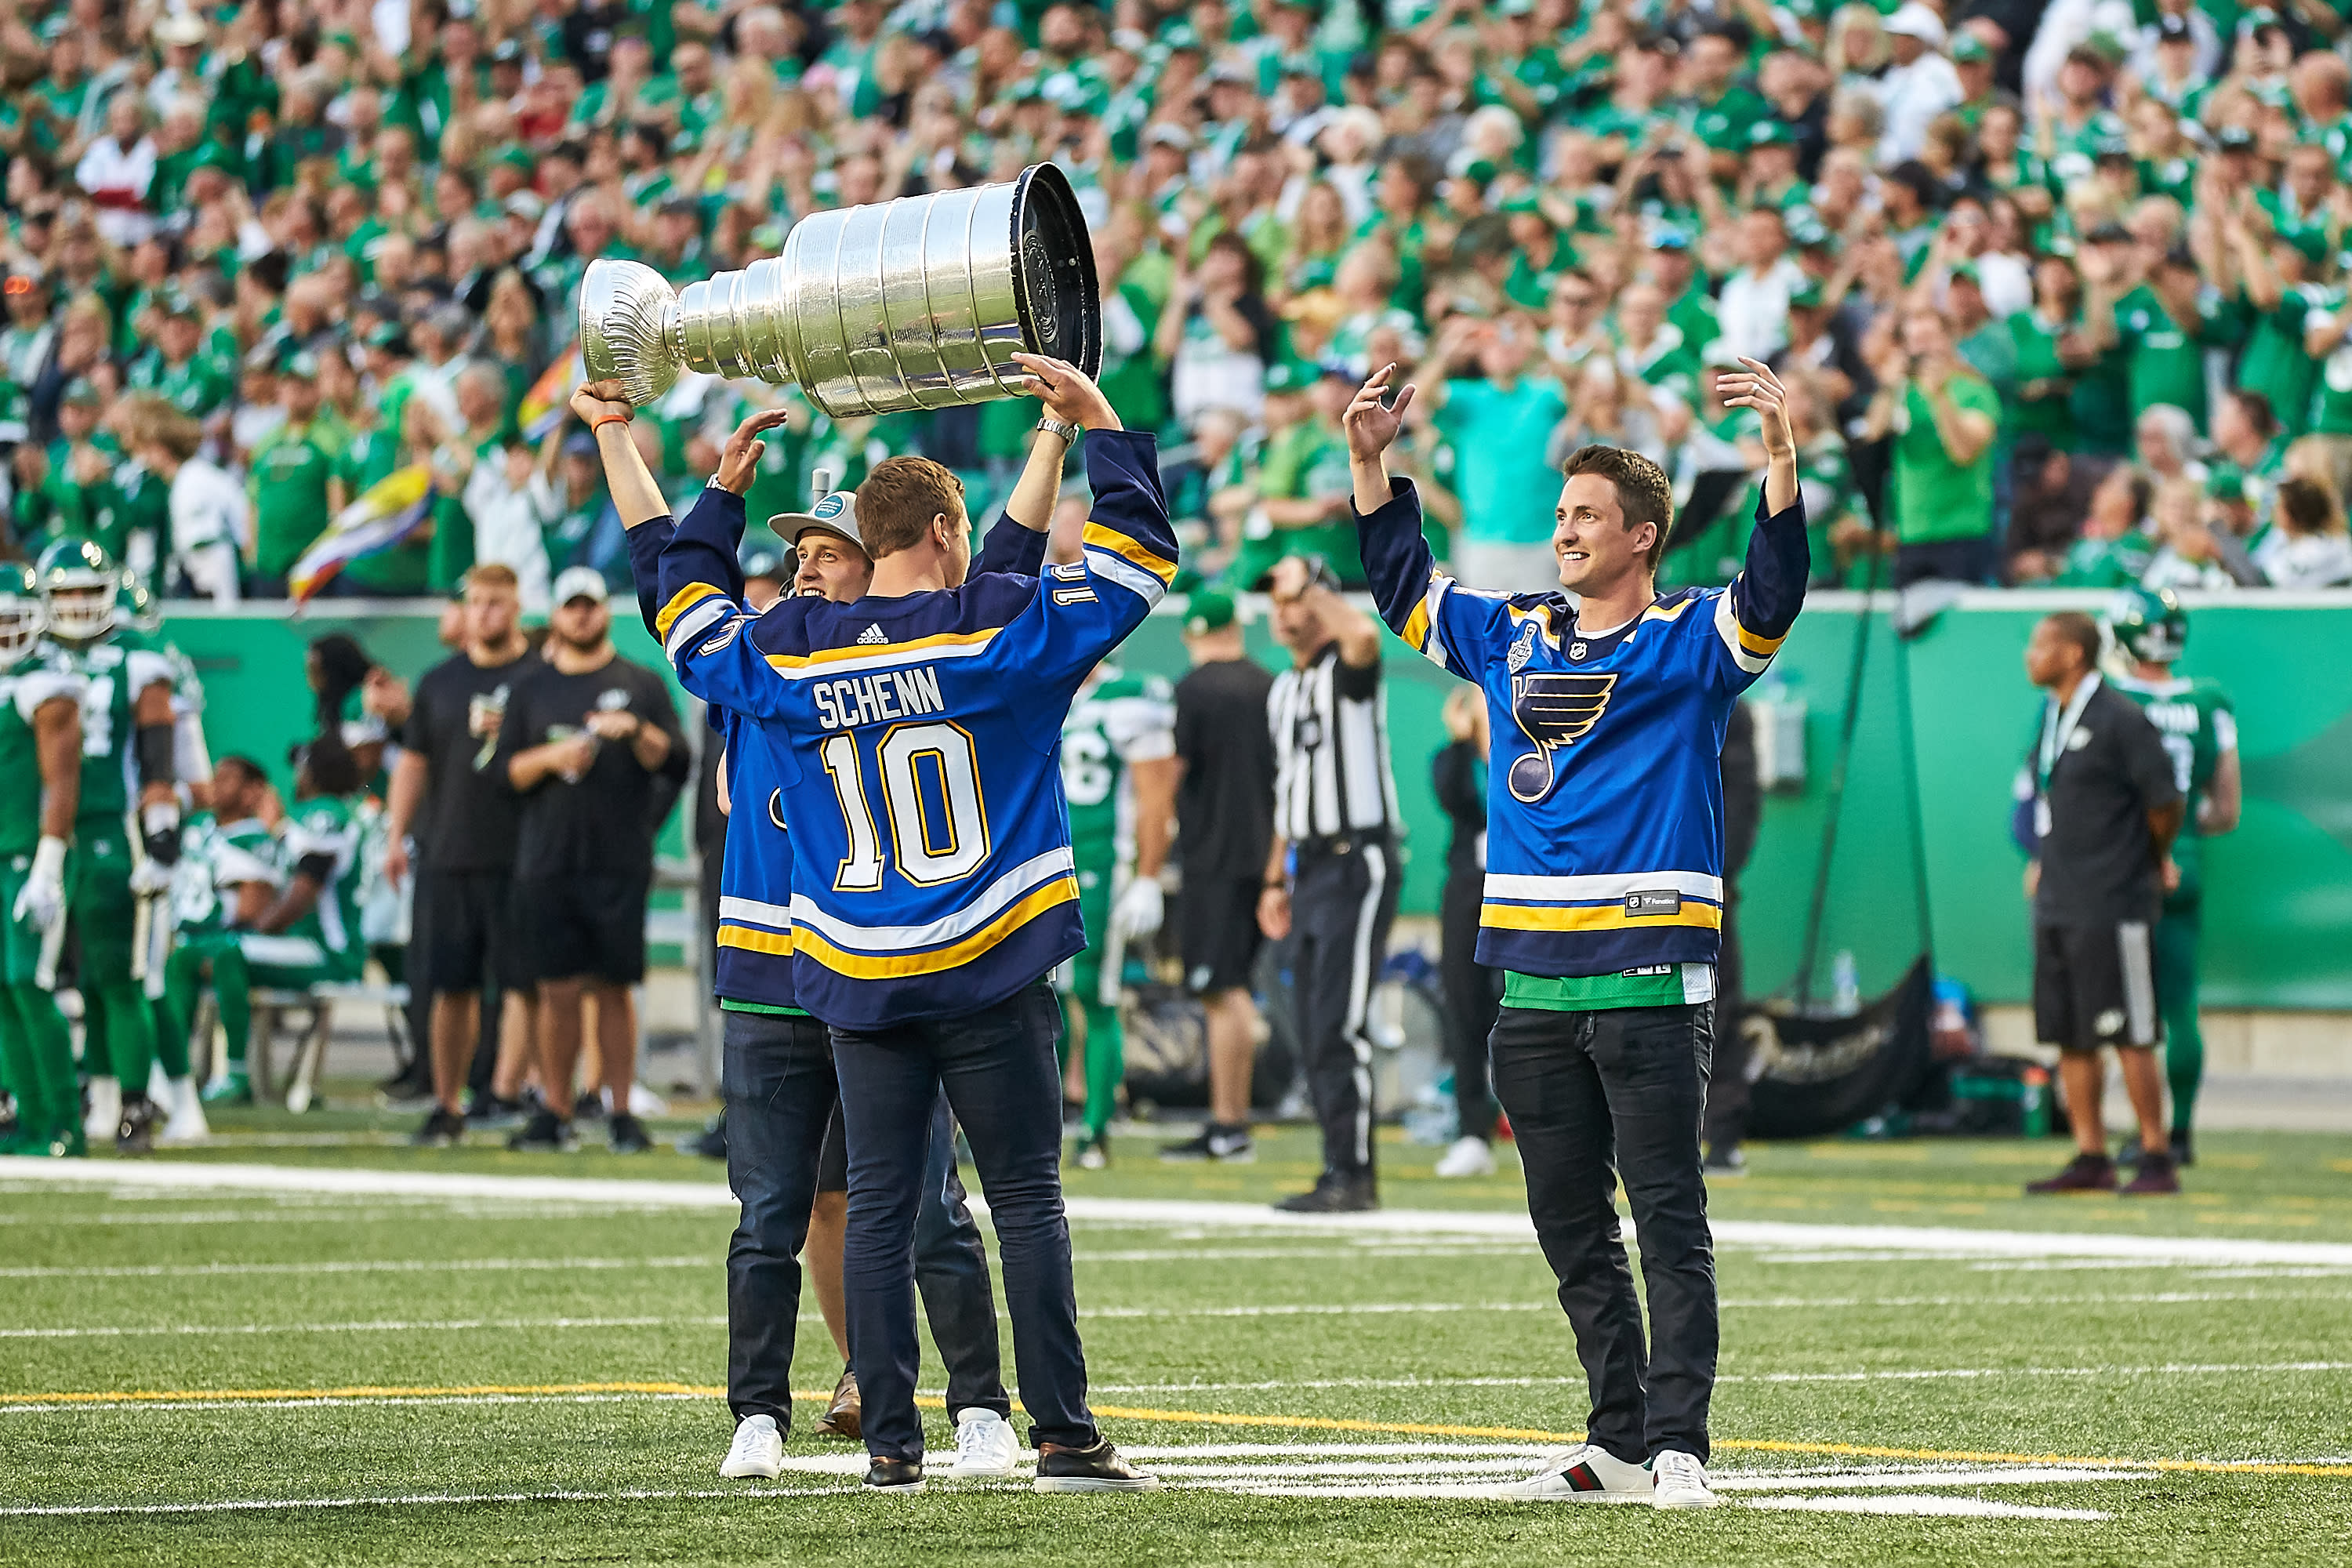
(2080, 630)
(898, 499)
(1644, 491)
(493, 575)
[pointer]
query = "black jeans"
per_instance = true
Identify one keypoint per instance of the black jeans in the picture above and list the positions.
(781, 1088)
(1341, 906)
(1474, 994)
(998, 1069)
(1727, 1081)
(1625, 1088)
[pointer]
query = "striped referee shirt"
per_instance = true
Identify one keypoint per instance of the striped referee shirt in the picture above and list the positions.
(1330, 731)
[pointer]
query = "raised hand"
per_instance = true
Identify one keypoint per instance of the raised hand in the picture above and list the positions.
(1759, 388)
(740, 459)
(1371, 422)
(1068, 392)
(598, 398)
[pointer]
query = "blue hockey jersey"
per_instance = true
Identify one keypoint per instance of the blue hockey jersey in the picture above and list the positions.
(755, 876)
(1604, 812)
(916, 742)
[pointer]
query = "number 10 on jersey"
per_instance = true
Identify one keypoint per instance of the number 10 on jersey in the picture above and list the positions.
(930, 793)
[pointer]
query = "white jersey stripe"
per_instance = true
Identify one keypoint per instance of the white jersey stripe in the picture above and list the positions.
(1611, 885)
(982, 909)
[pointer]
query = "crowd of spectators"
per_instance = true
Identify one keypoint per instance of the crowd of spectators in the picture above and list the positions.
(2058, 287)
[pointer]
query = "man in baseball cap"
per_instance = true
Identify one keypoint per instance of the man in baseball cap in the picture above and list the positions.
(831, 553)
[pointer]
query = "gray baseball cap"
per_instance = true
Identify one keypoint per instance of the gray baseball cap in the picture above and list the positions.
(835, 512)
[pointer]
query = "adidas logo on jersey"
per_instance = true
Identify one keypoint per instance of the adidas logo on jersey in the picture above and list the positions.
(872, 634)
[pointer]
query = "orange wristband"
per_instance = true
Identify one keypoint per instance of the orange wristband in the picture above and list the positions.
(604, 419)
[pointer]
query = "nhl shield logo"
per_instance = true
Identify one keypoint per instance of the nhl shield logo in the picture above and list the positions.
(1553, 711)
(1524, 649)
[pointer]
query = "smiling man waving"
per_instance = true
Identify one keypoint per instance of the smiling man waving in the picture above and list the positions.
(1604, 894)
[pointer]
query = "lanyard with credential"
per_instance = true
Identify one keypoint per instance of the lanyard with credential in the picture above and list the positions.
(2057, 730)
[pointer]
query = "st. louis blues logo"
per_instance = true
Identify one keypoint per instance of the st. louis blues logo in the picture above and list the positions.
(1552, 710)
(1524, 649)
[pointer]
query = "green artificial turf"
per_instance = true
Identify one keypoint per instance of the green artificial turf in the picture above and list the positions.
(447, 1301)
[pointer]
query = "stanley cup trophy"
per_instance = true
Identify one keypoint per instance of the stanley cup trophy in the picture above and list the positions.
(915, 304)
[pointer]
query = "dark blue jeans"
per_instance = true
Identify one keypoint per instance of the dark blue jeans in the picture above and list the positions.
(997, 1066)
(1621, 1088)
(781, 1090)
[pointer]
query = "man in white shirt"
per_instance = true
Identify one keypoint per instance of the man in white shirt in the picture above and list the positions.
(1754, 310)
(211, 519)
(1919, 85)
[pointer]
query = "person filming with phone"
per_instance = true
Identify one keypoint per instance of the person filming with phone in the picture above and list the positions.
(1942, 416)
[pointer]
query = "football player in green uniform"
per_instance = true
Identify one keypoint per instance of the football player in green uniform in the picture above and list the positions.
(2200, 733)
(1118, 770)
(228, 877)
(41, 784)
(126, 831)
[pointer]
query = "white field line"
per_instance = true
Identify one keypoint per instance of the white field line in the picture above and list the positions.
(1299, 1310)
(607, 1195)
(366, 1403)
(361, 1265)
(411, 1499)
(1926, 1506)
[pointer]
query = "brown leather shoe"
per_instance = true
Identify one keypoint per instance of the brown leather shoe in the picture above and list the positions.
(845, 1417)
(2156, 1176)
(2083, 1173)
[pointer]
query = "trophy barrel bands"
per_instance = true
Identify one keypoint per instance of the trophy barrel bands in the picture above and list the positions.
(916, 303)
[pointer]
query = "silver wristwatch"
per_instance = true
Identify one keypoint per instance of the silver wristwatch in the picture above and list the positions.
(1068, 432)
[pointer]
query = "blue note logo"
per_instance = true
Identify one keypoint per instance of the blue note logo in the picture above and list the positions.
(1553, 711)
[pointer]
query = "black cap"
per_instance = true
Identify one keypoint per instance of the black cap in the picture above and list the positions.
(2172, 29)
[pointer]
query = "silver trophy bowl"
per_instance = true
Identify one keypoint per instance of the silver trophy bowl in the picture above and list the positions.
(916, 303)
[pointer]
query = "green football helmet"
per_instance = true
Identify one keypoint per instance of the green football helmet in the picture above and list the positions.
(79, 586)
(136, 608)
(2148, 624)
(22, 616)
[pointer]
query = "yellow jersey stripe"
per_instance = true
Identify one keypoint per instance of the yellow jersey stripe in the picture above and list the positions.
(1665, 612)
(685, 599)
(1593, 917)
(895, 966)
(825, 655)
(1118, 543)
(1762, 647)
(779, 942)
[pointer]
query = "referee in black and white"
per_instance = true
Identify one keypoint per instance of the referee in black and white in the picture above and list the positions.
(2106, 807)
(1331, 875)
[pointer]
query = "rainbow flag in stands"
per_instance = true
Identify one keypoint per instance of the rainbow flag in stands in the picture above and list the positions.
(387, 512)
(550, 397)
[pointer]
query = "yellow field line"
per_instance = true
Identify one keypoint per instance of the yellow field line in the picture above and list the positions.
(1195, 1418)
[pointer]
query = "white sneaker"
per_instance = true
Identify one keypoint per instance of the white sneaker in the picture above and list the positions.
(187, 1125)
(1586, 1473)
(1468, 1157)
(986, 1449)
(1681, 1481)
(105, 1112)
(758, 1451)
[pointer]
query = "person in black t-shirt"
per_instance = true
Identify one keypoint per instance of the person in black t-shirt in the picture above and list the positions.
(1224, 821)
(2106, 806)
(446, 790)
(586, 742)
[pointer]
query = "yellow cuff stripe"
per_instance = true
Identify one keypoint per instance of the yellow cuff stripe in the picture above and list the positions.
(1593, 917)
(1762, 647)
(685, 599)
(779, 942)
(1416, 626)
(1143, 555)
(897, 966)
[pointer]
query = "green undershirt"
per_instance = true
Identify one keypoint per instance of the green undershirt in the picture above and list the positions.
(1653, 985)
(729, 1004)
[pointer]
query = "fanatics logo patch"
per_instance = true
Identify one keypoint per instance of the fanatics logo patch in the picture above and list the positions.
(1666, 901)
(872, 634)
(1553, 711)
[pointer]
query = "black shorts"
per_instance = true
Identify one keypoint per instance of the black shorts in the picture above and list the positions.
(833, 1156)
(585, 926)
(1217, 929)
(464, 926)
(2094, 985)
